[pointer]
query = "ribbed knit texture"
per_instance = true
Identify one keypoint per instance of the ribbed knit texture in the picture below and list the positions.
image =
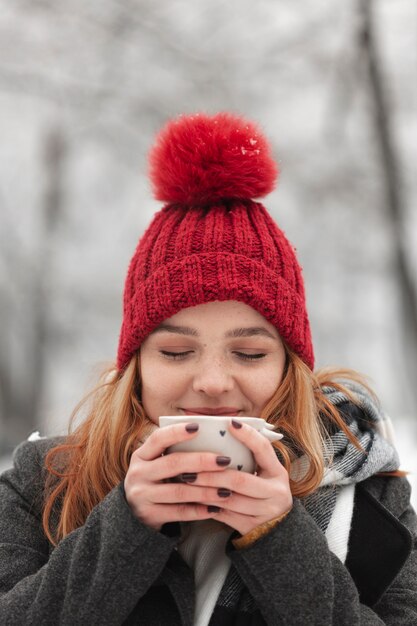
(231, 251)
(204, 551)
(212, 240)
(337, 532)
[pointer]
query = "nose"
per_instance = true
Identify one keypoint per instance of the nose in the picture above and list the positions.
(213, 377)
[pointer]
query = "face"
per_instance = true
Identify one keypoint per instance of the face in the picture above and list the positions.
(219, 358)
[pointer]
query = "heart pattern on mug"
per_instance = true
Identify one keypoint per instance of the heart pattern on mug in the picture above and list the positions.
(242, 459)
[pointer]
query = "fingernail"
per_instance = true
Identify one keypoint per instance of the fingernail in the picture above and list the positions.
(236, 424)
(223, 493)
(192, 428)
(223, 460)
(189, 478)
(213, 509)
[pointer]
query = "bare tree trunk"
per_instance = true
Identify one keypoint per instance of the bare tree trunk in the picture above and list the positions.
(393, 191)
(22, 392)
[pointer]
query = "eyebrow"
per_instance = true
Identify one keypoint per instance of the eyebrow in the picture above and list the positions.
(249, 331)
(179, 330)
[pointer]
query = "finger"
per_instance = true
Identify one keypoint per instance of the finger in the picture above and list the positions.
(238, 482)
(242, 523)
(163, 438)
(176, 463)
(181, 493)
(261, 447)
(243, 505)
(187, 512)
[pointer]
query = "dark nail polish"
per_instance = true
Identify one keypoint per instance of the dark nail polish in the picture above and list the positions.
(213, 509)
(189, 478)
(223, 493)
(223, 460)
(192, 428)
(236, 424)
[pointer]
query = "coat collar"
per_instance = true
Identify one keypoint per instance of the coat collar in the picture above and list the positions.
(379, 545)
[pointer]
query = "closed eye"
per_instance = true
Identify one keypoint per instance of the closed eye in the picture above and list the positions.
(249, 357)
(175, 355)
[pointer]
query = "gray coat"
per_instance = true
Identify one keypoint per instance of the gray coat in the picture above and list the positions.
(115, 570)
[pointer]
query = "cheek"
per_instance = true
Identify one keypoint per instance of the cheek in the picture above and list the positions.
(261, 390)
(151, 387)
(161, 386)
(262, 384)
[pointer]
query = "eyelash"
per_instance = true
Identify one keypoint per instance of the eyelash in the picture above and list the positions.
(177, 356)
(250, 357)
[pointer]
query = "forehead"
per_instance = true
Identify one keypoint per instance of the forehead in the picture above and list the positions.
(222, 317)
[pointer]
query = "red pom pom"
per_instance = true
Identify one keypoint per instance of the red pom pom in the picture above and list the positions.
(199, 159)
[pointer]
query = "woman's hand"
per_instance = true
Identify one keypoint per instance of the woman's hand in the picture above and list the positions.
(254, 499)
(247, 500)
(155, 501)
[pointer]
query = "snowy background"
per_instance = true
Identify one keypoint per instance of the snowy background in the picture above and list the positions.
(83, 89)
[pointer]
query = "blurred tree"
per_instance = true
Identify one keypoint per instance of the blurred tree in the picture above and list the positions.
(107, 75)
(24, 347)
(393, 188)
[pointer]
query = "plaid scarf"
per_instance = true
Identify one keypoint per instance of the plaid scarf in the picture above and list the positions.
(348, 466)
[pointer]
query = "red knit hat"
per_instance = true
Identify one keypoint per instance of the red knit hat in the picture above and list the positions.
(212, 241)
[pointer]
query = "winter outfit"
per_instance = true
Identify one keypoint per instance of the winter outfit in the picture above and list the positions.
(344, 555)
(116, 570)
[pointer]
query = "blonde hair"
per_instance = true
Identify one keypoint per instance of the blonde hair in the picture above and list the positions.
(96, 454)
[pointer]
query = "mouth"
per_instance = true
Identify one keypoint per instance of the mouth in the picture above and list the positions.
(203, 410)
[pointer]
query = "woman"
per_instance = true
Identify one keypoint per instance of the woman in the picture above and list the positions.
(103, 527)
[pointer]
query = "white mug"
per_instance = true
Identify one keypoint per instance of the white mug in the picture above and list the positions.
(214, 436)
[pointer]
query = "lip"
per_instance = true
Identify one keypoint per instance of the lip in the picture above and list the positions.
(205, 410)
